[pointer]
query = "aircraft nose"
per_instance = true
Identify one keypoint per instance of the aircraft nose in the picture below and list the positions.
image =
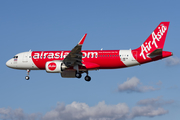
(9, 63)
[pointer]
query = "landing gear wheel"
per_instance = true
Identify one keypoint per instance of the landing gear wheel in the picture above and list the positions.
(27, 77)
(78, 75)
(87, 78)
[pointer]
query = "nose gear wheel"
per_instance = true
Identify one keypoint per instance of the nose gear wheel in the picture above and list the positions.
(27, 77)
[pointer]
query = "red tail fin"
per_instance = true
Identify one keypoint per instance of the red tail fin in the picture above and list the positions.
(155, 40)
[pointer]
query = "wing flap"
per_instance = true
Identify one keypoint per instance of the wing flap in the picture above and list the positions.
(89, 65)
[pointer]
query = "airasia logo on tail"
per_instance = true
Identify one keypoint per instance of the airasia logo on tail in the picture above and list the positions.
(52, 66)
(156, 37)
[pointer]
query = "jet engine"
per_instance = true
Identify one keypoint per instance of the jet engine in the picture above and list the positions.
(55, 67)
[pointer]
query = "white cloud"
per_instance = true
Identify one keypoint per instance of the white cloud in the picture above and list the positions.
(148, 111)
(155, 102)
(101, 111)
(81, 111)
(17, 114)
(11, 114)
(134, 85)
(159, 83)
(151, 101)
(150, 107)
(172, 61)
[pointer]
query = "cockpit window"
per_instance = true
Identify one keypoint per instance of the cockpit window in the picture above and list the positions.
(15, 57)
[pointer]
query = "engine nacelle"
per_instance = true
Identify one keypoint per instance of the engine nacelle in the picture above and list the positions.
(55, 67)
(68, 74)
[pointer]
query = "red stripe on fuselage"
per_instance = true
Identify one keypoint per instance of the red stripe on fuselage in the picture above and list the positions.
(106, 59)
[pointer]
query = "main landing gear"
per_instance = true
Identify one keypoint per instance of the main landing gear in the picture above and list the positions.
(87, 78)
(79, 75)
(27, 77)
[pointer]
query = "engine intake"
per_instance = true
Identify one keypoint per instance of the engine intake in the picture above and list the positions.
(55, 67)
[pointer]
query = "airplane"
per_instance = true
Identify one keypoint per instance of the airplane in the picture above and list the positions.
(71, 64)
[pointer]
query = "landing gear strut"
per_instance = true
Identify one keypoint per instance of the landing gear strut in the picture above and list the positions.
(27, 77)
(78, 74)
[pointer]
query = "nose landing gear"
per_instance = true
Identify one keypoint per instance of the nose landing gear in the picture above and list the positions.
(27, 77)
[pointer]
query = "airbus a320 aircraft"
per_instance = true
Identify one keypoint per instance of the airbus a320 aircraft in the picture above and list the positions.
(77, 61)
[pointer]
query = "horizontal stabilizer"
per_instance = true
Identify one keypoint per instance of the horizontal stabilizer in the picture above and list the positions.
(155, 53)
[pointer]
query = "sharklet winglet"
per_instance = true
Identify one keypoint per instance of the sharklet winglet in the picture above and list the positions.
(82, 40)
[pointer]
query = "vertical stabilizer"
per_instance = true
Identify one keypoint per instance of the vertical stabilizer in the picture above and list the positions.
(155, 40)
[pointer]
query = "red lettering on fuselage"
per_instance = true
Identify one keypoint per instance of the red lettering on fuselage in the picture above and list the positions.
(61, 55)
(104, 58)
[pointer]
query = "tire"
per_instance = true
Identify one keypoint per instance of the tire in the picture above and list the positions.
(78, 75)
(27, 77)
(87, 78)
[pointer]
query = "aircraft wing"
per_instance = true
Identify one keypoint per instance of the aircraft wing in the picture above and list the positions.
(75, 56)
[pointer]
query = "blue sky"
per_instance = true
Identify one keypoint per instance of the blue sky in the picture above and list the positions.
(59, 25)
